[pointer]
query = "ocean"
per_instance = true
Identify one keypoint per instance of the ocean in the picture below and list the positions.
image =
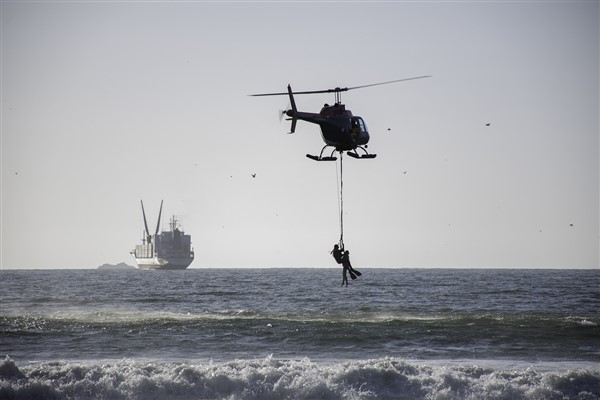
(296, 334)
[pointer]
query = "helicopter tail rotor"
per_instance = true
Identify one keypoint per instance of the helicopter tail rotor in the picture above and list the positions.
(284, 111)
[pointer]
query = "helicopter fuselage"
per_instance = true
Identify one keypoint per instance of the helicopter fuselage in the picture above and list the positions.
(339, 128)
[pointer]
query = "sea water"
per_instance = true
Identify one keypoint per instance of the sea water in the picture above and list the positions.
(295, 333)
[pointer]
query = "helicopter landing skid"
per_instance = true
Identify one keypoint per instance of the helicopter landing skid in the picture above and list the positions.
(320, 156)
(361, 156)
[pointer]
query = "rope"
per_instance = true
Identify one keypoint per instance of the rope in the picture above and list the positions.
(337, 183)
(339, 180)
(341, 201)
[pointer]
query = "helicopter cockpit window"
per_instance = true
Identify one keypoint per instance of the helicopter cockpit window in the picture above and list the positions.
(358, 124)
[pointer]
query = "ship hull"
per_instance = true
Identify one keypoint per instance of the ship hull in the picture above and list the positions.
(163, 264)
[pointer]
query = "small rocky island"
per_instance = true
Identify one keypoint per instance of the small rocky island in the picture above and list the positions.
(116, 266)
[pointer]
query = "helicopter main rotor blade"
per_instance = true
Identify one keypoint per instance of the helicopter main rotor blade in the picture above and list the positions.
(385, 83)
(308, 92)
(338, 89)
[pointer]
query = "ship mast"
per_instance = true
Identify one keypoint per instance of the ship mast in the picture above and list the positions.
(173, 223)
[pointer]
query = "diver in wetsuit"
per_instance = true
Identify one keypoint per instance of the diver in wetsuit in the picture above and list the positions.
(343, 257)
(348, 267)
(337, 253)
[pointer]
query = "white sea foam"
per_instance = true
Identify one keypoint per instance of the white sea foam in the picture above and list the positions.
(270, 378)
(166, 328)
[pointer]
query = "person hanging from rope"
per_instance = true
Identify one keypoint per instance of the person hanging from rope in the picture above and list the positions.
(344, 271)
(348, 267)
(337, 253)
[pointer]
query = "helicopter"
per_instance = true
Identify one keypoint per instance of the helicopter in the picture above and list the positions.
(340, 129)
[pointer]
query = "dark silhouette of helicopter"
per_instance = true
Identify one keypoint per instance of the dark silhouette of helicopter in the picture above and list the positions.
(340, 129)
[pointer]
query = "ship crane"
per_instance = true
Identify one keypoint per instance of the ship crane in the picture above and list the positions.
(148, 236)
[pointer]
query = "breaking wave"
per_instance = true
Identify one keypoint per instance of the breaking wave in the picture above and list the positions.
(118, 317)
(269, 378)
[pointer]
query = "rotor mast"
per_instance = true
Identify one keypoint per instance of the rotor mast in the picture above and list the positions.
(338, 96)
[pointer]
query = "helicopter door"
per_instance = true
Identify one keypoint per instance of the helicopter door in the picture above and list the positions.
(360, 134)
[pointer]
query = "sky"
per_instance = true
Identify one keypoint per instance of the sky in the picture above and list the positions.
(105, 104)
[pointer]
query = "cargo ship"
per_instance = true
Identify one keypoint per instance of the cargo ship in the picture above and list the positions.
(170, 249)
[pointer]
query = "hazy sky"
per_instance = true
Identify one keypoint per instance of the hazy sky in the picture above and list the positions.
(107, 103)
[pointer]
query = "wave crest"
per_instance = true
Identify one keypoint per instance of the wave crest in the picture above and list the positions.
(296, 379)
